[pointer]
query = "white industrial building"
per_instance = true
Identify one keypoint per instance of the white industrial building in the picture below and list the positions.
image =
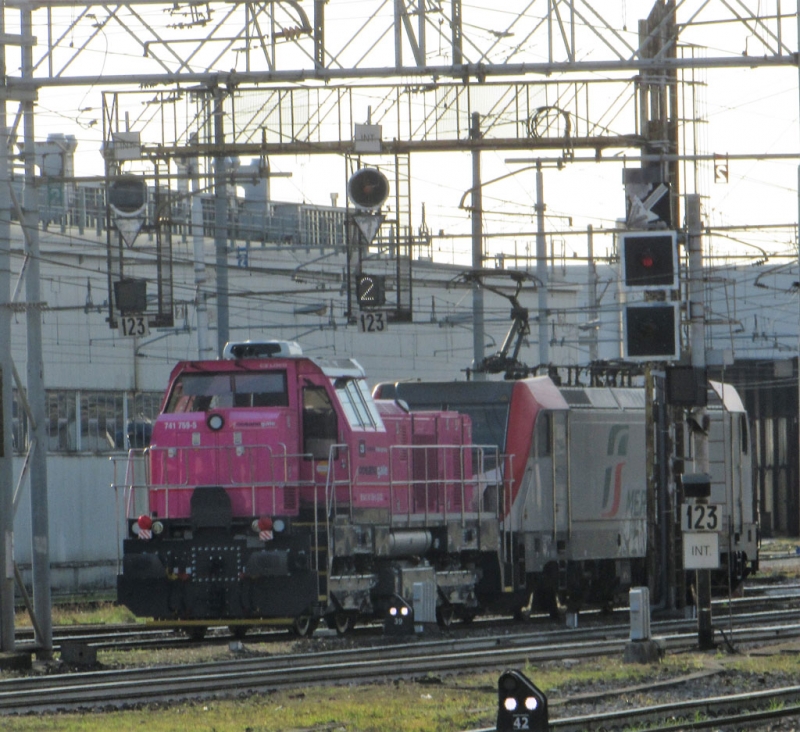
(103, 387)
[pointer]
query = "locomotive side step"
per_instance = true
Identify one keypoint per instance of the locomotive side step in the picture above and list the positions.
(319, 548)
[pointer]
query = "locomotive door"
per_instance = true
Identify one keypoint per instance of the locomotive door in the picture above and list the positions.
(551, 499)
(320, 433)
(560, 473)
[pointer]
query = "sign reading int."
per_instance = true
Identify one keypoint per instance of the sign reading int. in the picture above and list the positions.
(700, 550)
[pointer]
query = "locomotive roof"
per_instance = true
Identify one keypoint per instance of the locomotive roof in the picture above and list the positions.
(436, 394)
(455, 394)
(332, 367)
(603, 397)
(728, 395)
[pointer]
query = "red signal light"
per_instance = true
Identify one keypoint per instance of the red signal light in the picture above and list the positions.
(265, 523)
(649, 260)
(145, 522)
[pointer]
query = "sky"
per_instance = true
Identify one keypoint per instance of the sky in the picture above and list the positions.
(739, 111)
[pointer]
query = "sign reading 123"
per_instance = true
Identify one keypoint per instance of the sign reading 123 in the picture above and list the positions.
(701, 517)
(134, 325)
(372, 322)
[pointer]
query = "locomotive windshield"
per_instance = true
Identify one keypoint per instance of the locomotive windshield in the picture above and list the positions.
(201, 392)
(358, 406)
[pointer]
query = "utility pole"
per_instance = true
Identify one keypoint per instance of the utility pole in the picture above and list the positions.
(40, 529)
(798, 233)
(221, 218)
(594, 326)
(477, 251)
(6, 393)
(541, 268)
(204, 351)
(697, 332)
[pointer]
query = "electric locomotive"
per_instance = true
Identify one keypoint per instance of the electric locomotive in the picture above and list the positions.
(578, 510)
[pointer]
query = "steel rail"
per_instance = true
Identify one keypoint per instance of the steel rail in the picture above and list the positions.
(711, 712)
(748, 610)
(705, 713)
(121, 688)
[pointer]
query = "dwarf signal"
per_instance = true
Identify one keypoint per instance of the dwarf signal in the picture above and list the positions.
(521, 705)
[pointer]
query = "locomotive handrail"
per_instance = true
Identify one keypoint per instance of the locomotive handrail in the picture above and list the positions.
(446, 478)
(243, 463)
(331, 483)
(334, 451)
(139, 474)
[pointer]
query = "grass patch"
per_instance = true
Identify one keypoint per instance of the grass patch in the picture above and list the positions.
(96, 613)
(432, 704)
(396, 706)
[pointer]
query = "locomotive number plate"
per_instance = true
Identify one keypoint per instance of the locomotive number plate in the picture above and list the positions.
(701, 517)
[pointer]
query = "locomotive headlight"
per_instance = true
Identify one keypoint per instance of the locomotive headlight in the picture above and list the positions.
(279, 525)
(215, 422)
(158, 527)
(254, 526)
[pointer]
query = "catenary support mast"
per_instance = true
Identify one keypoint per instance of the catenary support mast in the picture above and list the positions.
(35, 372)
(6, 472)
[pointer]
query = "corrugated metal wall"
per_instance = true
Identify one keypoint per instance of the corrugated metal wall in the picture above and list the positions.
(770, 393)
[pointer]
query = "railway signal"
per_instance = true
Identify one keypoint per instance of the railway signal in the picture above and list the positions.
(649, 260)
(399, 619)
(521, 705)
(368, 188)
(652, 332)
(371, 290)
(127, 199)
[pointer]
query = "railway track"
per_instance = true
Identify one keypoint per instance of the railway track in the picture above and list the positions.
(122, 688)
(741, 711)
(779, 605)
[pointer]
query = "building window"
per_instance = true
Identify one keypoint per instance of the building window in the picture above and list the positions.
(89, 421)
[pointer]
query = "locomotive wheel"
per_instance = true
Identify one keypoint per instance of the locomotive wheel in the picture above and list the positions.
(304, 626)
(445, 615)
(342, 623)
(196, 632)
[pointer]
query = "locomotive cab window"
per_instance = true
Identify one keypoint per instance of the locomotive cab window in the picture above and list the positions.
(261, 390)
(320, 426)
(201, 392)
